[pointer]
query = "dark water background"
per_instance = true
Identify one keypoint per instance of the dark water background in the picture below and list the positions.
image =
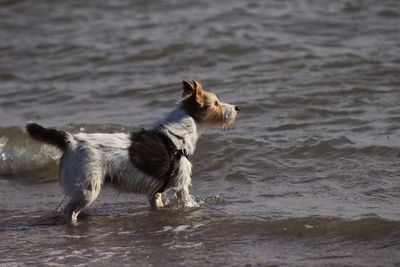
(309, 175)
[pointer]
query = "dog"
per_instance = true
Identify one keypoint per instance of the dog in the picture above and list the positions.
(148, 162)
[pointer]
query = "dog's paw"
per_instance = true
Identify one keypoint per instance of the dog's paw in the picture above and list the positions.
(190, 202)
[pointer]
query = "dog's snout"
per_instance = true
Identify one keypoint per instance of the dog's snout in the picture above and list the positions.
(237, 108)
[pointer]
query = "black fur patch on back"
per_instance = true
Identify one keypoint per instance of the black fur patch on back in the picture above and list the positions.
(154, 154)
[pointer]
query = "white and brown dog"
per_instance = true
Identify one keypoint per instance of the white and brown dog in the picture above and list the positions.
(149, 162)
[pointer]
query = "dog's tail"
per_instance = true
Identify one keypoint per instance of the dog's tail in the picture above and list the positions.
(53, 137)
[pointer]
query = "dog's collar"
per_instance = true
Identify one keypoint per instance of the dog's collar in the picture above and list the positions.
(185, 153)
(183, 150)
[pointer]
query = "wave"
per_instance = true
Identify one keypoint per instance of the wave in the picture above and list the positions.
(30, 161)
(360, 229)
(218, 225)
(25, 159)
(340, 146)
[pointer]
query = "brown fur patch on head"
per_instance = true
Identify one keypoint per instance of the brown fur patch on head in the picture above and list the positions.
(201, 105)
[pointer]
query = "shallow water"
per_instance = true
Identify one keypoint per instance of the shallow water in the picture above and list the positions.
(307, 176)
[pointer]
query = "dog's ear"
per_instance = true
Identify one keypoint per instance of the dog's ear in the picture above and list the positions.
(188, 89)
(198, 93)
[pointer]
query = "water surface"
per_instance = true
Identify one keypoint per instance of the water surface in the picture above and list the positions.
(309, 174)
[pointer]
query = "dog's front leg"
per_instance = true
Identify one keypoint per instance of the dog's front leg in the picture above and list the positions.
(156, 201)
(184, 180)
(187, 199)
(183, 194)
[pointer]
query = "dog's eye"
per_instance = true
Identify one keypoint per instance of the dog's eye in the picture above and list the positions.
(216, 103)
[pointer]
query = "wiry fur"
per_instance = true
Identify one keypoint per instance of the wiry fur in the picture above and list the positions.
(50, 136)
(89, 159)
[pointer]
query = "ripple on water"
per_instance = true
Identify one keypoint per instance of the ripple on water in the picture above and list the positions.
(310, 167)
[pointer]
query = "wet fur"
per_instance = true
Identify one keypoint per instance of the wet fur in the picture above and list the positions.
(136, 162)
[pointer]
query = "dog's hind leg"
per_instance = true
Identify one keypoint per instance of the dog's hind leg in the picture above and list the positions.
(156, 201)
(81, 198)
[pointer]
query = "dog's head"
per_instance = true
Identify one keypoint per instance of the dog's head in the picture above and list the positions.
(205, 107)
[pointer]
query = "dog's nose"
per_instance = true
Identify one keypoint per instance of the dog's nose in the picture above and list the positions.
(237, 108)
